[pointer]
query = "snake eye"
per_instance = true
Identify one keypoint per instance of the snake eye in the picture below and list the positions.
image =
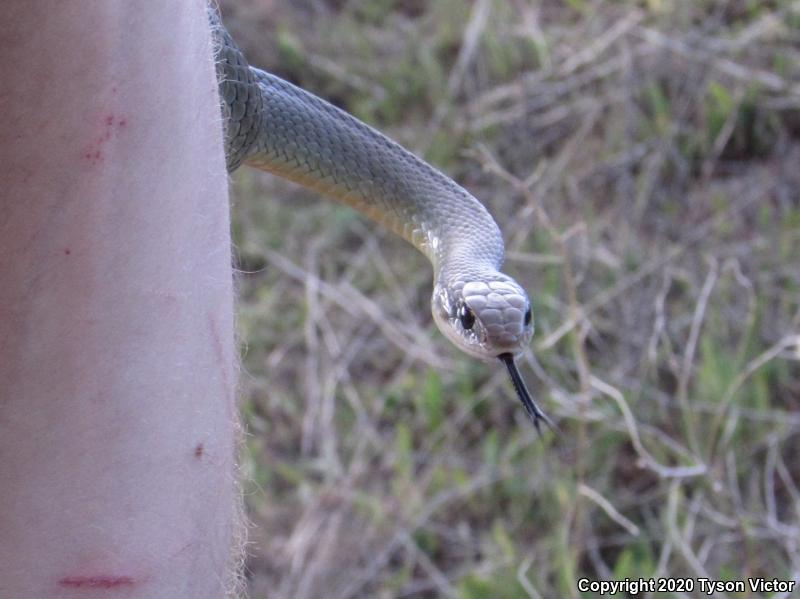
(528, 316)
(466, 316)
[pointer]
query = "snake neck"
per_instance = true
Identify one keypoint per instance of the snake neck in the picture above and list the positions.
(278, 127)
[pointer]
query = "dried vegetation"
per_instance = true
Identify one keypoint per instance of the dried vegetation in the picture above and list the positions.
(643, 161)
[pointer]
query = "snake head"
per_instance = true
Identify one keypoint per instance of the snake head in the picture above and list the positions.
(490, 319)
(484, 318)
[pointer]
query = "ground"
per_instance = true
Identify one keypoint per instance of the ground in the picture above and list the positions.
(643, 161)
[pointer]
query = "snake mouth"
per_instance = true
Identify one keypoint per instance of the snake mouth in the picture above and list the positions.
(534, 412)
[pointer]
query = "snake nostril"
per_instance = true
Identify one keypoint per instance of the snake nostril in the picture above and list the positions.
(528, 316)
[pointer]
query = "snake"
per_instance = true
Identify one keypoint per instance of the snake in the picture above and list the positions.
(278, 127)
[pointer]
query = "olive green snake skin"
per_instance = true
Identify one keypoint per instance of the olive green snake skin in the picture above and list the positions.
(278, 127)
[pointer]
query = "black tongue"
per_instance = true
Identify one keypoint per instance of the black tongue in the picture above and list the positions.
(536, 415)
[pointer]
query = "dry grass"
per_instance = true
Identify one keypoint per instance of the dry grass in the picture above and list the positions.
(642, 160)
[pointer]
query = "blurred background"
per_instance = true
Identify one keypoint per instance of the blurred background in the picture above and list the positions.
(642, 158)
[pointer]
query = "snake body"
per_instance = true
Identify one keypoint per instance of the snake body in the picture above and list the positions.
(278, 127)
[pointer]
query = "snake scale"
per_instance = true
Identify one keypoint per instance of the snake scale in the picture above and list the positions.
(278, 127)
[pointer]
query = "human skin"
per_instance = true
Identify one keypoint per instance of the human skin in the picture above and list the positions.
(117, 355)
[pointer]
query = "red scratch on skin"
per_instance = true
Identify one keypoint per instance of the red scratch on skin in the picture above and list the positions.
(219, 352)
(95, 582)
(93, 154)
(182, 549)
